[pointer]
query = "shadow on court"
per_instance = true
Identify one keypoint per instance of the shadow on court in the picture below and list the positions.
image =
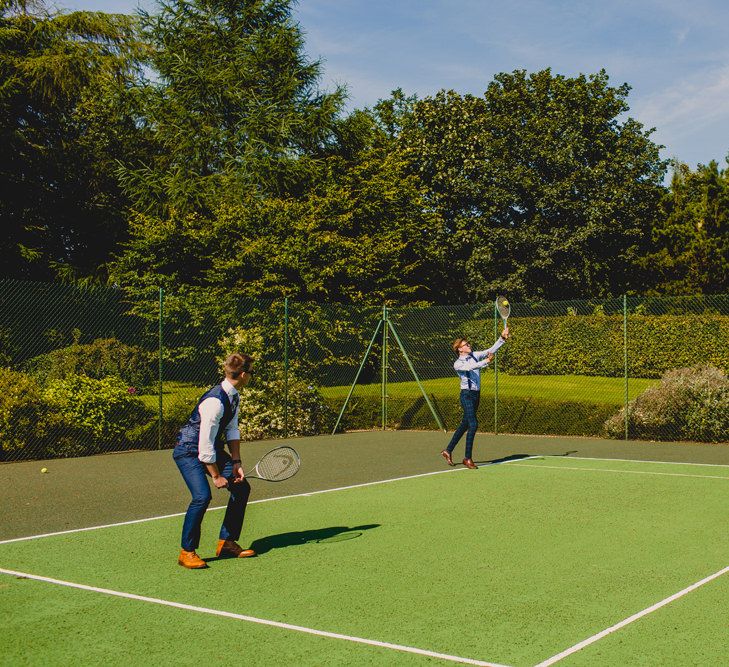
(519, 457)
(319, 535)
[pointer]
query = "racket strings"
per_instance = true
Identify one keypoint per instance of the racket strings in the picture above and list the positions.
(278, 465)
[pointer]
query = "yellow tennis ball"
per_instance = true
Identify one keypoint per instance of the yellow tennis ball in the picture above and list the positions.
(44, 469)
(504, 303)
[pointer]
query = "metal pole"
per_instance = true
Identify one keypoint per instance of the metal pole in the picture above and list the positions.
(415, 375)
(384, 368)
(496, 372)
(161, 311)
(625, 358)
(286, 367)
(356, 377)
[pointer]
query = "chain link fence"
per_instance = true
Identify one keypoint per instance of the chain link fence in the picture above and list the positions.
(89, 370)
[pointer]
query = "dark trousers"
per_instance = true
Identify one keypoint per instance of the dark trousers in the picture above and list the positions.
(469, 402)
(196, 477)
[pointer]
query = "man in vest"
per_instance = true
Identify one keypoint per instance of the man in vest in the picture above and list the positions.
(200, 452)
(468, 367)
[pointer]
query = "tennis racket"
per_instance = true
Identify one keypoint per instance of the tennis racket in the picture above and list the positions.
(277, 465)
(504, 308)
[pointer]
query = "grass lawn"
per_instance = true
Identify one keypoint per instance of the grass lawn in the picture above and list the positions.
(551, 387)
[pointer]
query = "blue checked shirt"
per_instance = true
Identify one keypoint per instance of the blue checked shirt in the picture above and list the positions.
(468, 366)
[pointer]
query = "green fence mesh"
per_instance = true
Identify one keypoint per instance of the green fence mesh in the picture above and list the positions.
(86, 371)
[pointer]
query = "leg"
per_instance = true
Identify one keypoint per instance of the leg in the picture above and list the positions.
(237, 503)
(470, 414)
(194, 476)
(462, 427)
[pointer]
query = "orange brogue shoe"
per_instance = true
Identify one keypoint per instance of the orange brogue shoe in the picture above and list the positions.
(231, 549)
(191, 560)
(447, 456)
(470, 464)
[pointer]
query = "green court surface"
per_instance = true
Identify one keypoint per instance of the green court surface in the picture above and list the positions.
(512, 564)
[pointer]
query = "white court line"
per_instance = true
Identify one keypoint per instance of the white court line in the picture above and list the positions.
(630, 619)
(668, 463)
(623, 472)
(253, 502)
(253, 619)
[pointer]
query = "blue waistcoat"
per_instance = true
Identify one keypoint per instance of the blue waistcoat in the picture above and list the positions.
(190, 432)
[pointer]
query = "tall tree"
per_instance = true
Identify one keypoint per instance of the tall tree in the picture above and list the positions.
(691, 239)
(545, 193)
(59, 204)
(361, 235)
(232, 105)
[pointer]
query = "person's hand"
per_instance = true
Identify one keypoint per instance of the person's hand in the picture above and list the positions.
(220, 482)
(505, 333)
(238, 474)
(489, 356)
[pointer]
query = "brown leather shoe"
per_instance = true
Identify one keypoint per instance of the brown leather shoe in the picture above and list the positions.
(191, 560)
(231, 549)
(470, 464)
(447, 456)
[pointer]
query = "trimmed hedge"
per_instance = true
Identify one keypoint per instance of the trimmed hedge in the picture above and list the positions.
(516, 415)
(102, 358)
(593, 344)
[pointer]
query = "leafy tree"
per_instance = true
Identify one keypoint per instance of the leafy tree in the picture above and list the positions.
(59, 205)
(232, 106)
(691, 239)
(544, 193)
(362, 236)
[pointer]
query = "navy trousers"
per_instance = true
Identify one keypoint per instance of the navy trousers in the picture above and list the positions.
(196, 477)
(469, 402)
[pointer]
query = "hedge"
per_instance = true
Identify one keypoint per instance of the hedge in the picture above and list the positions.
(516, 415)
(593, 344)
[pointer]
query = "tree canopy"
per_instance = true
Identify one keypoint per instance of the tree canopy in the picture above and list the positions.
(191, 146)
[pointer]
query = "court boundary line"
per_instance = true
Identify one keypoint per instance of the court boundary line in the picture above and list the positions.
(364, 484)
(252, 619)
(673, 463)
(625, 472)
(627, 621)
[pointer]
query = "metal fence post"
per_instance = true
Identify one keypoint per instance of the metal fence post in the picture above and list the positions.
(625, 357)
(384, 367)
(496, 372)
(286, 367)
(161, 311)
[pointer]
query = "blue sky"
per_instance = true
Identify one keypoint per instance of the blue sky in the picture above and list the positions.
(673, 53)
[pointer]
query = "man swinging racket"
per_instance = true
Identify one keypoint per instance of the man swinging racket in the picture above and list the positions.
(468, 367)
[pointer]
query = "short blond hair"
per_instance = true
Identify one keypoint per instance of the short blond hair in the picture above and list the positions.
(457, 343)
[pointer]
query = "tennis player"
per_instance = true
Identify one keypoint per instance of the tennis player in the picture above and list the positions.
(468, 367)
(200, 453)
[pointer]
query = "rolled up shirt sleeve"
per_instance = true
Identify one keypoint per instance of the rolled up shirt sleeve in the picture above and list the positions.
(491, 350)
(211, 412)
(232, 430)
(469, 364)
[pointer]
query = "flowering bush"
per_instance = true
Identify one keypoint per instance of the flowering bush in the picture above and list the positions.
(688, 404)
(262, 411)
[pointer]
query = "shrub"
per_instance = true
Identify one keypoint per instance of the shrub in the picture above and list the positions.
(99, 411)
(104, 357)
(688, 404)
(24, 417)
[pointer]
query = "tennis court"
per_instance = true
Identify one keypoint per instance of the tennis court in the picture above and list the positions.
(568, 550)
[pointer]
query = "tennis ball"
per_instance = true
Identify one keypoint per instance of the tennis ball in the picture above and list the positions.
(504, 303)
(44, 469)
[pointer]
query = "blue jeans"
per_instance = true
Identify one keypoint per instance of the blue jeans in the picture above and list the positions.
(196, 477)
(469, 402)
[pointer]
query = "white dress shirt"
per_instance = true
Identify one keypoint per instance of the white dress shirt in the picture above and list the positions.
(468, 366)
(211, 412)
